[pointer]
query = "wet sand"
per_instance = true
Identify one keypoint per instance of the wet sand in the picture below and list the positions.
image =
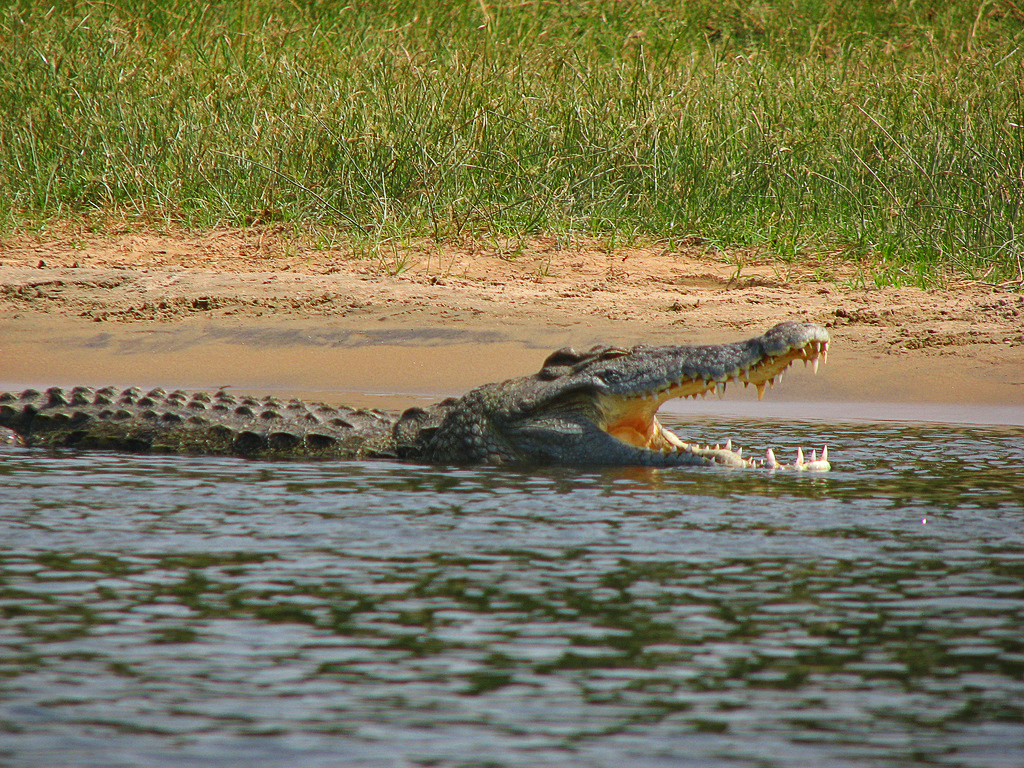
(396, 367)
(199, 313)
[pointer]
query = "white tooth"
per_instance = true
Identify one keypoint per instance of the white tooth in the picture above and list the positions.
(816, 465)
(769, 459)
(814, 365)
(739, 452)
(779, 377)
(674, 439)
(814, 456)
(728, 444)
(799, 463)
(718, 447)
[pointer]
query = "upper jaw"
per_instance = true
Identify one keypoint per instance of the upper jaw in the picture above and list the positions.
(664, 373)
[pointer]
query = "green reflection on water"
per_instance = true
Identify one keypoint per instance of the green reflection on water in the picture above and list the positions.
(730, 604)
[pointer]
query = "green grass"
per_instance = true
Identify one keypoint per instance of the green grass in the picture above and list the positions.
(888, 132)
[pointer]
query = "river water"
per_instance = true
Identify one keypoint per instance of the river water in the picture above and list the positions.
(159, 611)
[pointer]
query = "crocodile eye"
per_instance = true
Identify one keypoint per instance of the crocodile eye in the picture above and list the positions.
(610, 353)
(568, 360)
(562, 357)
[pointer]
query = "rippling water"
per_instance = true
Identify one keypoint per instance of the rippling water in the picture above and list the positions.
(170, 612)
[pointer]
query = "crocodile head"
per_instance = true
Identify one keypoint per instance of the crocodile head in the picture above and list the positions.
(599, 406)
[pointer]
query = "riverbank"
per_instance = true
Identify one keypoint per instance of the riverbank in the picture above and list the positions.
(254, 310)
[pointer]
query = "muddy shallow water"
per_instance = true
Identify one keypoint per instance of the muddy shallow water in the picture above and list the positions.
(178, 611)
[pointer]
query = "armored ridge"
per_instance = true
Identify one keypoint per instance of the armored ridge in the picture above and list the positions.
(594, 407)
(197, 423)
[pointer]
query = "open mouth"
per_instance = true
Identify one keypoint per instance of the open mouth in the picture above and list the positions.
(633, 420)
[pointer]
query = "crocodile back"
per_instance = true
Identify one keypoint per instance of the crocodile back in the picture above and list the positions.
(218, 422)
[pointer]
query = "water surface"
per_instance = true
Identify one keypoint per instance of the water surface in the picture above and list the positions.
(159, 611)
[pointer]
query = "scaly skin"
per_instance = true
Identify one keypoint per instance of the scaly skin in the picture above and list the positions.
(596, 407)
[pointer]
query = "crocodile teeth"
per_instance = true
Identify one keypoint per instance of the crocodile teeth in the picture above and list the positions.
(814, 365)
(760, 390)
(816, 464)
(801, 464)
(676, 442)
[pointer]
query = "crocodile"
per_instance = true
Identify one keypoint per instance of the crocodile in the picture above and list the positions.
(596, 407)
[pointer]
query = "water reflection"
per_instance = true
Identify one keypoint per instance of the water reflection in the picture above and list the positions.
(160, 611)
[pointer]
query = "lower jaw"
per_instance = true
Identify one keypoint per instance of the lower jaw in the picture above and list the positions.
(674, 452)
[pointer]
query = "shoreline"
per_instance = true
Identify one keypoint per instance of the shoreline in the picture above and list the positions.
(195, 312)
